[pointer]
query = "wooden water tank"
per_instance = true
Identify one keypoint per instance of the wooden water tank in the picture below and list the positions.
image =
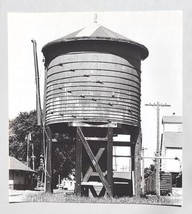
(93, 75)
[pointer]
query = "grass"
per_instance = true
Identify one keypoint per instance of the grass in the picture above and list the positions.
(61, 197)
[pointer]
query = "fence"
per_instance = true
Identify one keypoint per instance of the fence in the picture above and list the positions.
(165, 183)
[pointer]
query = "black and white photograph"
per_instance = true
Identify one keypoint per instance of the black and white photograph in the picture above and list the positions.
(99, 118)
(96, 111)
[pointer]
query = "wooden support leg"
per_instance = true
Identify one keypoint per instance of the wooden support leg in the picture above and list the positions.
(110, 158)
(132, 157)
(137, 171)
(48, 171)
(85, 191)
(133, 168)
(78, 165)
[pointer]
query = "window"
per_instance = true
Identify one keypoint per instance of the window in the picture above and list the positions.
(122, 158)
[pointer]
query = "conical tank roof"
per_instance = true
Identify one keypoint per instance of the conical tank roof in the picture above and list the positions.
(96, 32)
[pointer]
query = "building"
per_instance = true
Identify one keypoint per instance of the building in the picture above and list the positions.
(21, 177)
(68, 184)
(171, 146)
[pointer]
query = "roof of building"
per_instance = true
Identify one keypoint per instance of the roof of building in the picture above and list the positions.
(97, 32)
(172, 139)
(172, 119)
(15, 164)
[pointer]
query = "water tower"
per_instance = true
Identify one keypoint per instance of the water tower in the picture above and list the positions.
(92, 91)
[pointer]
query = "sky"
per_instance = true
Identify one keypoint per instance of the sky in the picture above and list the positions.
(161, 78)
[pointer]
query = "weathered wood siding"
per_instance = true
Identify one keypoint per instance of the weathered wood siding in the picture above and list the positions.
(91, 86)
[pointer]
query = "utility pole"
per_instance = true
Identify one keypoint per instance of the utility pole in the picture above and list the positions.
(42, 165)
(158, 105)
(28, 138)
(33, 157)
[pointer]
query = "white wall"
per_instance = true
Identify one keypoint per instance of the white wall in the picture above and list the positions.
(172, 127)
(172, 165)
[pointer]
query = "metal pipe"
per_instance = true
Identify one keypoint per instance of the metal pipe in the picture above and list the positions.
(160, 157)
(38, 101)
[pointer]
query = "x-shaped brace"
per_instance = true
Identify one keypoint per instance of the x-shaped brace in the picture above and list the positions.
(94, 161)
(90, 169)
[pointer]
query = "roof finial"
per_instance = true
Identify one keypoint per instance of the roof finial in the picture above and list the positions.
(95, 18)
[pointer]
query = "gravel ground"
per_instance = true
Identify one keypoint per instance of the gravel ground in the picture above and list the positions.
(20, 195)
(16, 196)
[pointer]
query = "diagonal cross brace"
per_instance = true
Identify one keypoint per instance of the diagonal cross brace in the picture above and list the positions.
(94, 161)
(90, 170)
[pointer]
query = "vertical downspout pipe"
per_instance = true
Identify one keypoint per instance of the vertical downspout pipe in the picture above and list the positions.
(38, 100)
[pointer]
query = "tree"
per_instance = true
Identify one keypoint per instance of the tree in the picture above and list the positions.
(149, 170)
(63, 161)
(63, 154)
(19, 128)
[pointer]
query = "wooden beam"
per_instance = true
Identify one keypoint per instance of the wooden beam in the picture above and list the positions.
(133, 157)
(121, 143)
(78, 165)
(96, 139)
(79, 124)
(85, 190)
(102, 192)
(94, 161)
(133, 140)
(90, 170)
(122, 156)
(97, 174)
(48, 170)
(94, 193)
(133, 182)
(137, 170)
(110, 158)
